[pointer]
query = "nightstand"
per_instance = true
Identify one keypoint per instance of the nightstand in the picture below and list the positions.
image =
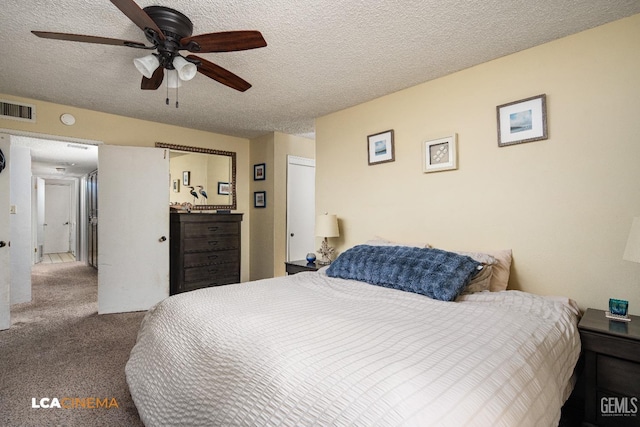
(612, 369)
(294, 267)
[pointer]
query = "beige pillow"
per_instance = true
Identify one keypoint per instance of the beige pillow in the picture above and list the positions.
(481, 281)
(500, 269)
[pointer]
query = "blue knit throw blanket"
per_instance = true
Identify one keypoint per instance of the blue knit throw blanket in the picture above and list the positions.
(435, 273)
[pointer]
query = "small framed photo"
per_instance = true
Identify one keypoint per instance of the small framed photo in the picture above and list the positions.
(440, 154)
(223, 188)
(176, 185)
(522, 121)
(259, 172)
(380, 147)
(186, 178)
(260, 199)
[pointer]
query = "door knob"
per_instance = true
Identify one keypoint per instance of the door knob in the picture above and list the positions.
(2, 244)
(162, 239)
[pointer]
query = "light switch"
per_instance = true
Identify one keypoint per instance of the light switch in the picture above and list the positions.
(13, 209)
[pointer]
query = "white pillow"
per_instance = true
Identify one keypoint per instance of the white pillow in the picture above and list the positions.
(379, 241)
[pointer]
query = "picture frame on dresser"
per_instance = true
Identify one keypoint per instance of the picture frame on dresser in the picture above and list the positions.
(522, 121)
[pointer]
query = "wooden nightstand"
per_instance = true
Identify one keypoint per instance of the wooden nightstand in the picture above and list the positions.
(612, 369)
(294, 267)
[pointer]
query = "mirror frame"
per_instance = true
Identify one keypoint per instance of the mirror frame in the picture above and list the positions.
(233, 205)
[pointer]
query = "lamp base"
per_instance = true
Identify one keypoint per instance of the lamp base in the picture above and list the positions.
(326, 251)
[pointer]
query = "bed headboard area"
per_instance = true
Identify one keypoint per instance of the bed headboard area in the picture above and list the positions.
(563, 205)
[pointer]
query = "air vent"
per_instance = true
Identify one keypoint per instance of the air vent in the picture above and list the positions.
(17, 111)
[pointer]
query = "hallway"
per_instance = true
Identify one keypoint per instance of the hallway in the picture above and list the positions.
(58, 257)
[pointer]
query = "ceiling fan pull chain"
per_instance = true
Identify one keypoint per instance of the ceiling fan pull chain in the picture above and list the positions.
(176, 96)
(167, 100)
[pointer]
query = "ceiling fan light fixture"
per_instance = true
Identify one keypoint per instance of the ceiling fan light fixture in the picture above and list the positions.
(172, 79)
(147, 65)
(186, 70)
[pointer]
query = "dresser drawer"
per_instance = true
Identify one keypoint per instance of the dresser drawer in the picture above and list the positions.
(210, 229)
(213, 243)
(227, 273)
(207, 258)
(618, 375)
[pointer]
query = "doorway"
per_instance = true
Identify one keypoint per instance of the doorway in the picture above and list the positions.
(301, 196)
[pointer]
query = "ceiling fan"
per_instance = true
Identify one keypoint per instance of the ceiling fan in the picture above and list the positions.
(170, 32)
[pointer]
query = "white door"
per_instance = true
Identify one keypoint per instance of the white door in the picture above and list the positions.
(56, 218)
(133, 267)
(40, 188)
(301, 196)
(5, 265)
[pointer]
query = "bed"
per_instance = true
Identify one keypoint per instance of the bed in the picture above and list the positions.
(314, 349)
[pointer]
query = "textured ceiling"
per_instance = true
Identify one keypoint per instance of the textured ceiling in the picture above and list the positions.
(322, 56)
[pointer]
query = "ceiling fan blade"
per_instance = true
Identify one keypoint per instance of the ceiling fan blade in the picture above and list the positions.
(89, 39)
(137, 15)
(226, 41)
(221, 75)
(154, 82)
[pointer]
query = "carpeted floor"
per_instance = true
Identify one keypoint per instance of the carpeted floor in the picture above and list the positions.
(58, 347)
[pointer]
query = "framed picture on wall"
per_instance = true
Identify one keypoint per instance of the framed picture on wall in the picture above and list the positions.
(260, 199)
(259, 172)
(440, 154)
(522, 121)
(380, 147)
(186, 178)
(176, 185)
(223, 188)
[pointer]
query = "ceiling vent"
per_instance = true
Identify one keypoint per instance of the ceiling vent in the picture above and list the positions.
(17, 111)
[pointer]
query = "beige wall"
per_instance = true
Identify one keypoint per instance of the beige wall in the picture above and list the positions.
(118, 130)
(564, 205)
(269, 225)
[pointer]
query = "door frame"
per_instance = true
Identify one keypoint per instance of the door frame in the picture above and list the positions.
(298, 161)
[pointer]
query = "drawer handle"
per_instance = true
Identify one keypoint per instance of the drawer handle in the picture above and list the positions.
(213, 256)
(213, 243)
(213, 228)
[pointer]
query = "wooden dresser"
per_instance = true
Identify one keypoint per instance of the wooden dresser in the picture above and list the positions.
(204, 250)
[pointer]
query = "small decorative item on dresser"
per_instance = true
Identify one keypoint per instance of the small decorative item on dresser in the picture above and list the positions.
(311, 257)
(326, 226)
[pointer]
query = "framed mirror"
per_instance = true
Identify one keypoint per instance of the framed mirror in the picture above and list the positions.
(204, 177)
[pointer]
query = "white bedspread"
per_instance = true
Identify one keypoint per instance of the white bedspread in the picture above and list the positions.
(309, 350)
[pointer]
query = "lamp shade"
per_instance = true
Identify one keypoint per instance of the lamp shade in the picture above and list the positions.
(632, 250)
(186, 70)
(327, 226)
(146, 65)
(172, 79)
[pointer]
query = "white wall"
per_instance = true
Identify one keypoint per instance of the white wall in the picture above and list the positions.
(21, 250)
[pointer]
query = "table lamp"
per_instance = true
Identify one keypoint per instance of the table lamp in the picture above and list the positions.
(326, 226)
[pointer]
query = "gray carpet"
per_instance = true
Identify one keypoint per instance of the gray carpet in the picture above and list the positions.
(58, 346)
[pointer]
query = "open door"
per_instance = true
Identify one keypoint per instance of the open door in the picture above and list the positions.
(133, 267)
(5, 230)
